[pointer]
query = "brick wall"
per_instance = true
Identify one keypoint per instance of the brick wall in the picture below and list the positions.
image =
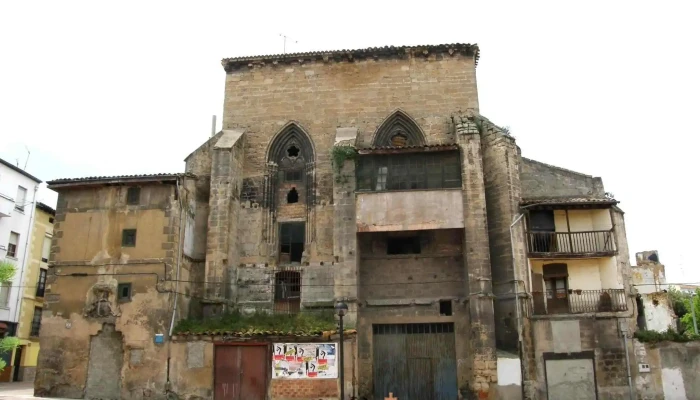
(303, 389)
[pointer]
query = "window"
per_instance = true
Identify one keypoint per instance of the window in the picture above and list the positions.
(412, 171)
(129, 238)
(12, 245)
(133, 196)
(287, 291)
(403, 245)
(21, 198)
(292, 176)
(36, 322)
(41, 283)
(292, 196)
(556, 288)
(46, 249)
(446, 307)
(291, 242)
(124, 292)
(5, 294)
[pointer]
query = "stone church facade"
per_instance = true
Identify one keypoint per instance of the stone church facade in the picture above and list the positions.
(364, 176)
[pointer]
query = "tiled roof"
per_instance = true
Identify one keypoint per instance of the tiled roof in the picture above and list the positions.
(355, 53)
(567, 200)
(261, 333)
(415, 148)
(115, 178)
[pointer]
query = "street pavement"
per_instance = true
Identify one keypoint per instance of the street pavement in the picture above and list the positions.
(18, 390)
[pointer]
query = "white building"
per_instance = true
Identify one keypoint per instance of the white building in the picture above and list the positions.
(17, 207)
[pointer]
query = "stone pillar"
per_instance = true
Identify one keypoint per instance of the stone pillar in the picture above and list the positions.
(482, 382)
(227, 164)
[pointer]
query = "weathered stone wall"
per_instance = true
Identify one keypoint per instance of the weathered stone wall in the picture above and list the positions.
(543, 180)
(672, 370)
(87, 264)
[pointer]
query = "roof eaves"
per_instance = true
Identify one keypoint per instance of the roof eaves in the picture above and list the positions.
(20, 170)
(373, 52)
(102, 180)
(45, 208)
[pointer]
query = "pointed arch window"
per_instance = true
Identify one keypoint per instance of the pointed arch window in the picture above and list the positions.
(398, 130)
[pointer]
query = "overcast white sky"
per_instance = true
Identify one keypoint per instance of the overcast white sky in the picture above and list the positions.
(609, 88)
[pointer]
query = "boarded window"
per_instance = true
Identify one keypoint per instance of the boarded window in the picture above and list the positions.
(12, 245)
(436, 170)
(129, 238)
(5, 293)
(133, 196)
(21, 199)
(46, 249)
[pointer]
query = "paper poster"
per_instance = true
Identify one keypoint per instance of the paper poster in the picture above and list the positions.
(304, 360)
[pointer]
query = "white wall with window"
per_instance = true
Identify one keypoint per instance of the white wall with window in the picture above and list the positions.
(17, 198)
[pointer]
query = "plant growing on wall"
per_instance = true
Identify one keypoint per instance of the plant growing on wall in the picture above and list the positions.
(7, 344)
(339, 155)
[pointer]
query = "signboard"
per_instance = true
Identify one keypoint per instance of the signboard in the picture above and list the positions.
(304, 360)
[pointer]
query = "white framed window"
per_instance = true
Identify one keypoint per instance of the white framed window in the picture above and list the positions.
(46, 249)
(5, 294)
(12, 245)
(21, 198)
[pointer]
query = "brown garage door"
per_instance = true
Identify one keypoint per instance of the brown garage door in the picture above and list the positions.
(241, 372)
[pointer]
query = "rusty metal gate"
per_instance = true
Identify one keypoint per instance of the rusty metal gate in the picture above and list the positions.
(415, 361)
(241, 372)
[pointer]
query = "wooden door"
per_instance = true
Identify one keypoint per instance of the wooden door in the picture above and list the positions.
(241, 372)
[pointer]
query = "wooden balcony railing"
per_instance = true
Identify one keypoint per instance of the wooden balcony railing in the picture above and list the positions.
(579, 301)
(590, 243)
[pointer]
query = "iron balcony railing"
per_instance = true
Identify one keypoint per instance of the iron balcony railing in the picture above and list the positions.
(579, 301)
(567, 243)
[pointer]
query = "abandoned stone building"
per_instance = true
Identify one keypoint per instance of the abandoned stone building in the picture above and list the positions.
(364, 176)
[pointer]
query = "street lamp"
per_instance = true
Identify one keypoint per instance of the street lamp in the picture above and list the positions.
(692, 308)
(341, 309)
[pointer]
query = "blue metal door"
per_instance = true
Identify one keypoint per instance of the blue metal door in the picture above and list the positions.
(415, 361)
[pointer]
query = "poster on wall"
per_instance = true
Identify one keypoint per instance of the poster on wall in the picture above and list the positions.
(304, 360)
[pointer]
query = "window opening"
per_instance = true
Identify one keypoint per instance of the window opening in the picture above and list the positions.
(12, 245)
(36, 322)
(124, 292)
(291, 242)
(129, 238)
(21, 198)
(293, 151)
(46, 249)
(292, 196)
(440, 170)
(287, 291)
(5, 288)
(133, 196)
(446, 307)
(403, 245)
(41, 283)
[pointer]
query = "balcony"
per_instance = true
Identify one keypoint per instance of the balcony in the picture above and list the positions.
(588, 244)
(579, 301)
(6, 206)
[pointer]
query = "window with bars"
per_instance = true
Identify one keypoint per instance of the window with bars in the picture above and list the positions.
(41, 283)
(413, 171)
(36, 322)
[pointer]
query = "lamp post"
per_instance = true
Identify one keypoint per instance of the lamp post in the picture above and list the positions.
(692, 308)
(341, 309)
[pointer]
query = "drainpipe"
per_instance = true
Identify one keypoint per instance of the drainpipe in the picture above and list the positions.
(179, 259)
(21, 285)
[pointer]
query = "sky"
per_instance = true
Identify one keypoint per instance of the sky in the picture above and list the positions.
(608, 88)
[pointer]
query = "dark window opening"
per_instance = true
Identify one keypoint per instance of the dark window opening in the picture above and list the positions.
(292, 176)
(287, 291)
(50, 220)
(446, 307)
(133, 196)
(542, 227)
(291, 242)
(36, 322)
(124, 292)
(403, 245)
(293, 151)
(41, 283)
(438, 170)
(292, 196)
(129, 238)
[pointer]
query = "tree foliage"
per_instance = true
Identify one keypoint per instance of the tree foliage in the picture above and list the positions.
(7, 344)
(682, 308)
